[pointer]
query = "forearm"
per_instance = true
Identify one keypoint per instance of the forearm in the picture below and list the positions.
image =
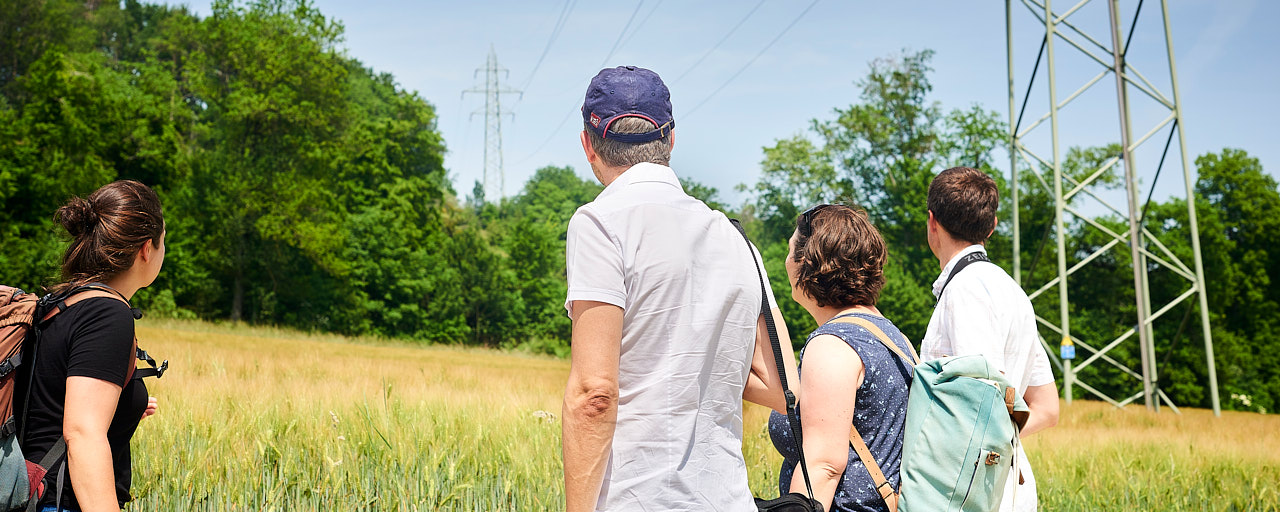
(825, 478)
(1036, 422)
(92, 474)
(588, 423)
(764, 386)
(1042, 401)
(759, 392)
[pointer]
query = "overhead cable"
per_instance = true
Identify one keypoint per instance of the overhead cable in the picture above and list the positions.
(753, 59)
(720, 42)
(561, 21)
(639, 26)
(618, 42)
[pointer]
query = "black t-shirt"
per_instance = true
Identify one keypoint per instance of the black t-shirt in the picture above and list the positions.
(91, 338)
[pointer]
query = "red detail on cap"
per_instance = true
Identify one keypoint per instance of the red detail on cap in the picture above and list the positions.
(605, 132)
(595, 120)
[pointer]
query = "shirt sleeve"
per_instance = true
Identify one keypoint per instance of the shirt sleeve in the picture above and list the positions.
(101, 343)
(1041, 372)
(593, 262)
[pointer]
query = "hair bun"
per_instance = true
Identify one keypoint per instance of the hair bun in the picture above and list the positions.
(78, 217)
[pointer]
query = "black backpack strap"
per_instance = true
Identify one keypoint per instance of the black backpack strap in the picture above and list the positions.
(156, 370)
(965, 261)
(53, 304)
(793, 417)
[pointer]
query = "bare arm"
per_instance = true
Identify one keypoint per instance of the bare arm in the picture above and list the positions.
(832, 374)
(1043, 402)
(90, 405)
(590, 410)
(763, 385)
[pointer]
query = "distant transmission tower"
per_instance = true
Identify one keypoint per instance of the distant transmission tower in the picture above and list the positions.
(492, 123)
(1146, 251)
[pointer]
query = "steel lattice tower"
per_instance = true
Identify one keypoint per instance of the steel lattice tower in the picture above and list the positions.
(1145, 248)
(493, 113)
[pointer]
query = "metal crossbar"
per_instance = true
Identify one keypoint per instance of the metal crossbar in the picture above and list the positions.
(1144, 246)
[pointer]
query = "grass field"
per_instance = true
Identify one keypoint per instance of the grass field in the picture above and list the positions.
(259, 419)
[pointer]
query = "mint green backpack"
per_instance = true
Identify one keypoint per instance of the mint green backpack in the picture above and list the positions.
(963, 418)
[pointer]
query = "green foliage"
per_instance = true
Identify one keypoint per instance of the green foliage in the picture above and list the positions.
(300, 187)
(879, 154)
(882, 153)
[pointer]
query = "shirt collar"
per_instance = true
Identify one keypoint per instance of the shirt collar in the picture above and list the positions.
(946, 271)
(641, 173)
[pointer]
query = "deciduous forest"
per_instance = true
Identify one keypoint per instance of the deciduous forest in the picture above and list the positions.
(303, 189)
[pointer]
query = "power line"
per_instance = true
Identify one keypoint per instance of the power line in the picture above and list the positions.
(622, 33)
(561, 21)
(642, 22)
(552, 135)
(753, 59)
(722, 40)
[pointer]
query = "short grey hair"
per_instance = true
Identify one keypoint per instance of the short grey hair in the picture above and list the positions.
(624, 154)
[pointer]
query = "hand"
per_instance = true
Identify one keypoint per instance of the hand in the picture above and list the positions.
(153, 406)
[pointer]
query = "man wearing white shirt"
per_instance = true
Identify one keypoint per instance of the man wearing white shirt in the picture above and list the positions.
(668, 336)
(981, 310)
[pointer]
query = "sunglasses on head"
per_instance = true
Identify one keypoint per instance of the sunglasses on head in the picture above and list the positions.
(805, 226)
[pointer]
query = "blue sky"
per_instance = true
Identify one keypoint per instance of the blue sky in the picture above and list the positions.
(1226, 51)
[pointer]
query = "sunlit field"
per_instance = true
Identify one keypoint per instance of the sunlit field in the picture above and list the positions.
(260, 419)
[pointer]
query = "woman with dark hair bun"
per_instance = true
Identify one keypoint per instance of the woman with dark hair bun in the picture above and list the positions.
(82, 385)
(848, 376)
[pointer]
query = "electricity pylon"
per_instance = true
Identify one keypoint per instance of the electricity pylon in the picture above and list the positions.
(1144, 247)
(493, 113)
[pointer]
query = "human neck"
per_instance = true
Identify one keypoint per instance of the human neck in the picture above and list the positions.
(824, 314)
(948, 249)
(607, 174)
(125, 284)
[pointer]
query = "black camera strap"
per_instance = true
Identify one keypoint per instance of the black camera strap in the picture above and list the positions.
(965, 261)
(793, 417)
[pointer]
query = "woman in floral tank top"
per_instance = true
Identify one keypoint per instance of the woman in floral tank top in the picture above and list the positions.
(847, 377)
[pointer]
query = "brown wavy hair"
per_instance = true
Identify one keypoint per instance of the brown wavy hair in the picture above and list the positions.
(841, 263)
(107, 230)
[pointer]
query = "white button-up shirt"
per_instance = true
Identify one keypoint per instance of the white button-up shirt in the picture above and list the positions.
(690, 295)
(983, 311)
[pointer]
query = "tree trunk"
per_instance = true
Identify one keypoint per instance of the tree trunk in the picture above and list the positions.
(237, 299)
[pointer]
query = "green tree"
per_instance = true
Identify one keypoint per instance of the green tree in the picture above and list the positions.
(879, 154)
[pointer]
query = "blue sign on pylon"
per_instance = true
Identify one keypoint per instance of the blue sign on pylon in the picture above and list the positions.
(1068, 349)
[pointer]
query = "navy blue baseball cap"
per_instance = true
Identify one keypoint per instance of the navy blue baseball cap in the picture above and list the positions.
(628, 91)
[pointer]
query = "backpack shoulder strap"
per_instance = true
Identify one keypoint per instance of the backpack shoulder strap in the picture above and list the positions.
(855, 438)
(881, 336)
(883, 486)
(55, 305)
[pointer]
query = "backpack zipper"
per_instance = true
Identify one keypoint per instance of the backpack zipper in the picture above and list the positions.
(972, 477)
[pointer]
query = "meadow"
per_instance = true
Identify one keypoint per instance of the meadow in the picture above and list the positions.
(273, 420)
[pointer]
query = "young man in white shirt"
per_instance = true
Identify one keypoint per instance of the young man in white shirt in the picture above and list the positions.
(981, 310)
(668, 335)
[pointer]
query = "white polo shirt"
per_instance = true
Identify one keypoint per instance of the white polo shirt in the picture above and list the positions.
(984, 311)
(690, 295)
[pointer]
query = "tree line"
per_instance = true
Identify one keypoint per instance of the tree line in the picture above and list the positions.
(304, 189)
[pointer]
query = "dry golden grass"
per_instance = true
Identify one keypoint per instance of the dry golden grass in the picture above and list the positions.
(264, 419)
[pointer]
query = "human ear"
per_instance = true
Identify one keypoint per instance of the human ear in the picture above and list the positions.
(147, 251)
(586, 147)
